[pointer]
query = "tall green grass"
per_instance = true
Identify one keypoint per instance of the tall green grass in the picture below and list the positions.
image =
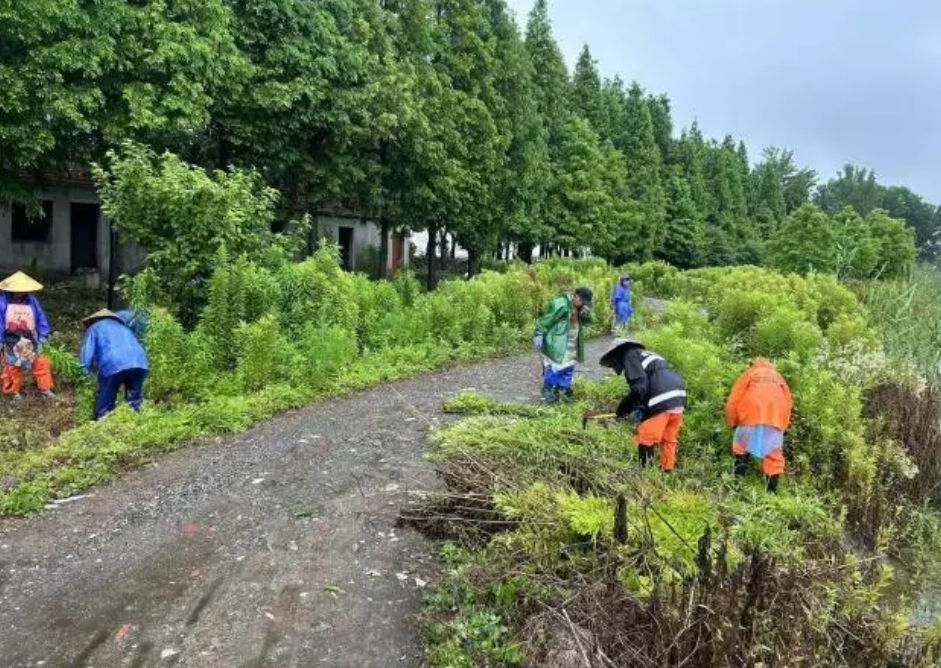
(907, 314)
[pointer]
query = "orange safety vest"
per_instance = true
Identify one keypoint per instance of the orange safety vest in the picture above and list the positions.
(760, 396)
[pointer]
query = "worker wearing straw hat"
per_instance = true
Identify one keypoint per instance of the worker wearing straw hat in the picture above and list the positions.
(656, 400)
(110, 345)
(23, 330)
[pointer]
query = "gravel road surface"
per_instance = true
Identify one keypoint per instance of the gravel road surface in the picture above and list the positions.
(273, 548)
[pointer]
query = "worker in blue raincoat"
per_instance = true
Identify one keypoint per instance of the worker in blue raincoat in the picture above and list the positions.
(621, 305)
(121, 361)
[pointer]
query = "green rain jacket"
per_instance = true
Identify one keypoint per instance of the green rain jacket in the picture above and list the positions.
(554, 327)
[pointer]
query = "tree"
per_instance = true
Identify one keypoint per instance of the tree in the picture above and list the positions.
(662, 119)
(804, 243)
(896, 243)
(856, 250)
(766, 197)
(797, 184)
(183, 216)
(642, 161)
(586, 91)
(921, 216)
(550, 75)
(79, 77)
(692, 158)
(482, 127)
(732, 237)
(685, 237)
(523, 190)
(582, 192)
(308, 97)
(853, 186)
(614, 113)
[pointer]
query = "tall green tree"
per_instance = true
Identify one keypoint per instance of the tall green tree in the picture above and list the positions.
(468, 61)
(853, 186)
(732, 238)
(661, 116)
(642, 161)
(693, 158)
(614, 113)
(307, 97)
(804, 243)
(856, 250)
(550, 74)
(583, 191)
(526, 173)
(586, 91)
(797, 183)
(896, 241)
(80, 77)
(766, 197)
(923, 217)
(685, 236)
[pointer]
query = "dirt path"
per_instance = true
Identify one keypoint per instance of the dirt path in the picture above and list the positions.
(274, 548)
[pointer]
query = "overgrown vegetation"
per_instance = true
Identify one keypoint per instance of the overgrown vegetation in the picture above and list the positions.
(561, 551)
(273, 336)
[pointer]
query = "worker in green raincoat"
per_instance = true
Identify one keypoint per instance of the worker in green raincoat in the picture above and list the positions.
(559, 339)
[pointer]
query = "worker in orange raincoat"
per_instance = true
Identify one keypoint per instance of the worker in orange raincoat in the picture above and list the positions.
(759, 410)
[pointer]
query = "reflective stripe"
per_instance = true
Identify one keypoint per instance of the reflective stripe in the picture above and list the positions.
(660, 398)
(647, 361)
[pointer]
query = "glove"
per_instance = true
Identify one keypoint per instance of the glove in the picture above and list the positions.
(537, 342)
(636, 416)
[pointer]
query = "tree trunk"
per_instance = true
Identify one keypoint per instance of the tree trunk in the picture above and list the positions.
(473, 263)
(430, 259)
(112, 266)
(453, 246)
(525, 252)
(443, 248)
(383, 248)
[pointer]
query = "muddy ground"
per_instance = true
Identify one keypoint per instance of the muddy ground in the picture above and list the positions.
(273, 548)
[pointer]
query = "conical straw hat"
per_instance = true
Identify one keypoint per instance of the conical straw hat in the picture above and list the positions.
(19, 282)
(617, 349)
(101, 315)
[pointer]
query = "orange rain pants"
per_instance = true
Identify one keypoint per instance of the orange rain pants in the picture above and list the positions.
(42, 374)
(662, 429)
(771, 464)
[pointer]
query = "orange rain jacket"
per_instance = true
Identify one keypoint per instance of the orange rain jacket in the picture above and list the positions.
(760, 396)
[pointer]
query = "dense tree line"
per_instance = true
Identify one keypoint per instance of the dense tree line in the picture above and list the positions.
(436, 115)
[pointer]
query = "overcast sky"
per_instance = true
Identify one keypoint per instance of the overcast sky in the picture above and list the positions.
(837, 81)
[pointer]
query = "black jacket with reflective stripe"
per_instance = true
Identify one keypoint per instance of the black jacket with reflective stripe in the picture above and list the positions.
(656, 387)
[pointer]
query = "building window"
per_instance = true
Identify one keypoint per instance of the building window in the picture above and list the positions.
(34, 229)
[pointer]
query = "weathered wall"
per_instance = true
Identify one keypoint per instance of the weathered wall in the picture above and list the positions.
(55, 255)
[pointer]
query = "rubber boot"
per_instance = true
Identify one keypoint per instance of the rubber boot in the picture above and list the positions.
(548, 394)
(773, 483)
(741, 465)
(645, 455)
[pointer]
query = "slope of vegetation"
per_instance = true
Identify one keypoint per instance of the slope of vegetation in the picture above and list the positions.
(273, 336)
(562, 552)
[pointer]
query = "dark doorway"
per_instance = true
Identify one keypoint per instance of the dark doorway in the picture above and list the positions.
(84, 236)
(346, 247)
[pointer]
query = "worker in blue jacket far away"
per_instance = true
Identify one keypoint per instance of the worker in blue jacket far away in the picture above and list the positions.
(112, 347)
